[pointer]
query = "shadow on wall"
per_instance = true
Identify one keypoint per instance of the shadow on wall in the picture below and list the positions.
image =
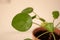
(4, 1)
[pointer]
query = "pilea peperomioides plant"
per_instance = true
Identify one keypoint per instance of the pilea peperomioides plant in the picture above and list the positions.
(23, 22)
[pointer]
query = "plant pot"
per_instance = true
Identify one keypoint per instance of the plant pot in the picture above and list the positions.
(47, 36)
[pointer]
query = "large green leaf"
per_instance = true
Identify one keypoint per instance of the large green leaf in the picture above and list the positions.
(49, 27)
(27, 10)
(22, 22)
(55, 14)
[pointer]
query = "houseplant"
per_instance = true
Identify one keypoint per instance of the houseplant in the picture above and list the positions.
(23, 22)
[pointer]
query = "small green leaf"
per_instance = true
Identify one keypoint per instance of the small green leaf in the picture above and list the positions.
(55, 14)
(43, 20)
(27, 10)
(50, 27)
(22, 22)
(34, 17)
(27, 39)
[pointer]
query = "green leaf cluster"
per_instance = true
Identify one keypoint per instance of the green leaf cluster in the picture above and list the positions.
(22, 21)
(49, 27)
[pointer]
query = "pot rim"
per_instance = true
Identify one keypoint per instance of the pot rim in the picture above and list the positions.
(57, 31)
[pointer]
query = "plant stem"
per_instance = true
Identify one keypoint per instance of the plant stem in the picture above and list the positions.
(42, 34)
(36, 23)
(53, 21)
(43, 20)
(57, 24)
(54, 36)
(36, 14)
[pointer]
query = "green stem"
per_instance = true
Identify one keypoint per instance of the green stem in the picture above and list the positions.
(42, 34)
(53, 21)
(36, 23)
(43, 20)
(54, 36)
(36, 14)
(57, 24)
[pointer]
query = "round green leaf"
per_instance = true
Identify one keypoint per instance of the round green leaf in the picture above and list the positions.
(55, 14)
(22, 22)
(27, 10)
(50, 27)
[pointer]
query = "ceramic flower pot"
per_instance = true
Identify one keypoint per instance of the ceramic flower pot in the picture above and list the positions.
(38, 31)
